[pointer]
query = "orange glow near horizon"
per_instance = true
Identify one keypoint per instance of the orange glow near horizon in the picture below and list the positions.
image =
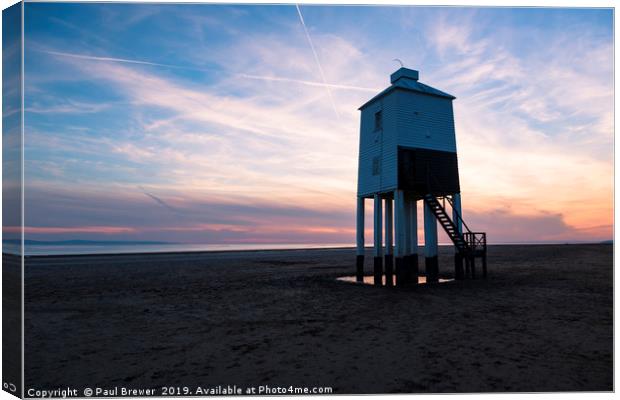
(262, 145)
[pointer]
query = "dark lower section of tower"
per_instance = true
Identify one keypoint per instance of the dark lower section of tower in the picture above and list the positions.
(423, 171)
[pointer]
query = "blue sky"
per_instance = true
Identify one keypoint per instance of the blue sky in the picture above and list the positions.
(225, 124)
(11, 120)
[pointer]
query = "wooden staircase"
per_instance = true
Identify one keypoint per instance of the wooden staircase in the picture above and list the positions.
(446, 222)
(469, 244)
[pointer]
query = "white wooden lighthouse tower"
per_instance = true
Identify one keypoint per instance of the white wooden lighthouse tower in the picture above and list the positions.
(408, 153)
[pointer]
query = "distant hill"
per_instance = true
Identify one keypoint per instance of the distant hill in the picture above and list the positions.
(607, 242)
(84, 242)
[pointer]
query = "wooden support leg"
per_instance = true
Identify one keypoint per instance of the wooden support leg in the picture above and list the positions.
(378, 270)
(458, 266)
(400, 271)
(400, 226)
(389, 270)
(484, 265)
(467, 266)
(389, 253)
(412, 207)
(432, 269)
(430, 245)
(359, 268)
(414, 269)
(378, 260)
(473, 267)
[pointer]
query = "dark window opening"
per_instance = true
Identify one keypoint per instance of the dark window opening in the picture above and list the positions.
(378, 120)
(376, 166)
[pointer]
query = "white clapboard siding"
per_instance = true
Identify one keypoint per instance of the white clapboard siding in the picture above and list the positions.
(424, 121)
(414, 115)
(382, 144)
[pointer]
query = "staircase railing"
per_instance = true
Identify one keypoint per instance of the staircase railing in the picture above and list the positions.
(442, 216)
(475, 241)
(457, 213)
(429, 175)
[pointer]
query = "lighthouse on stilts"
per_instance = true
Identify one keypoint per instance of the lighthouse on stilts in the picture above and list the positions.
(408, 153)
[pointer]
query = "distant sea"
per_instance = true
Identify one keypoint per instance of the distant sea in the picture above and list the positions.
(75, 247)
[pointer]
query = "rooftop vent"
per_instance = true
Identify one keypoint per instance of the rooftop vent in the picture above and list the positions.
(404, 73)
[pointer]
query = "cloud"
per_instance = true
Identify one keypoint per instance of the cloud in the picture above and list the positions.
(530, 128)
(238, 138)
(217, 220)
(292, 129)
(456, 35)
(282, 79)
(509, 227)
(316, 58)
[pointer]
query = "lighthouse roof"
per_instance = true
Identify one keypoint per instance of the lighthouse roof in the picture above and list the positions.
(407, 79)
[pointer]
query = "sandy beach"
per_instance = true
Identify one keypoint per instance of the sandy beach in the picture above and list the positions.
(542, 321)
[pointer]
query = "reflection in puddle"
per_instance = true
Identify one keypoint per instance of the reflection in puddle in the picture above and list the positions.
(370, 280)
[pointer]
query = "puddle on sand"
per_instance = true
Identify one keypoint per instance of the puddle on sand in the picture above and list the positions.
(370, 280)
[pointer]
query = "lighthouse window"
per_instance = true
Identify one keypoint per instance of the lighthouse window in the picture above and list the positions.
(376, 166)
(378, 120)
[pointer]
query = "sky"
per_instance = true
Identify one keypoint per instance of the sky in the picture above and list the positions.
(240, 123)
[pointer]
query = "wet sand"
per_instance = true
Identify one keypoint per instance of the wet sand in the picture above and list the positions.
(542, 321)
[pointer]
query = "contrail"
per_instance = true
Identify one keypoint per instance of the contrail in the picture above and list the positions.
(112, 59)
(240, 75)
(316, 58)
(310, 83)
(158, 200)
